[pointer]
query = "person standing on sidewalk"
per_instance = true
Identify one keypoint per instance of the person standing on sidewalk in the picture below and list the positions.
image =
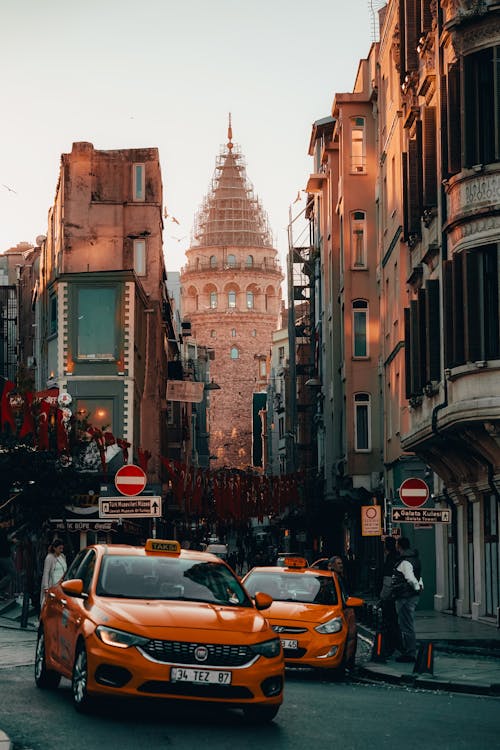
(54, 567)
(7, 569)
(406, 587)
(390, 625)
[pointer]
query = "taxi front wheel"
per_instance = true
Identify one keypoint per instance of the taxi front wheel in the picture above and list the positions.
(44, 678)
(81, 699)
(260, 714)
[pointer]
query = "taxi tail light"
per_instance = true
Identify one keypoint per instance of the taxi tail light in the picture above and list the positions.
(272, 686)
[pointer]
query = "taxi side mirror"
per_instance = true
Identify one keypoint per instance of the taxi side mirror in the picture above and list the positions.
(73, 587)
(262, 600)
(354, 601)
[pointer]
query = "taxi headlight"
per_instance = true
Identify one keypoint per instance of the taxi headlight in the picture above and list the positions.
(332, 626)
(269, 649)
(119, 638)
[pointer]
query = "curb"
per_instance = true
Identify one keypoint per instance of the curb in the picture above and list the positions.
(5, 743)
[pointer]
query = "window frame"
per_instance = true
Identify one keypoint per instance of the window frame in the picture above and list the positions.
(140, 257)
(98, 290)
(139, 182)
(358, 160)
(356, 222)
(362, 400)
(360, 309)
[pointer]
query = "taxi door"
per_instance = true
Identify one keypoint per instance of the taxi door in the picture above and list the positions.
(350, 621)
(73, 613)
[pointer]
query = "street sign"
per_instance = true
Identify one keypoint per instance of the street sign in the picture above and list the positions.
(420, 515)
(413, 492)
(143, 506)
(130, 480)
(371, 520)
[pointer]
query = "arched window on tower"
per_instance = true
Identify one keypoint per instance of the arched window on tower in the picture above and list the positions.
(249, 262)
(235, 353)
(213, 300)
(250, 300)
(231, 260)
(213, 261)
(358, 239)
(231, 299)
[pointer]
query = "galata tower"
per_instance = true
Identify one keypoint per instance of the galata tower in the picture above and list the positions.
(231, 294)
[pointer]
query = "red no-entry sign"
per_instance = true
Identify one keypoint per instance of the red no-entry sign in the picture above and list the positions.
(130, 480)
(414, 492)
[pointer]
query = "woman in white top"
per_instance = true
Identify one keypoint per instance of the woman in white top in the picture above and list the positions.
(54, 567)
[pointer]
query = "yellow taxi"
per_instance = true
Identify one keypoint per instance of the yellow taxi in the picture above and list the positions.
(316, 624)
(158, 621)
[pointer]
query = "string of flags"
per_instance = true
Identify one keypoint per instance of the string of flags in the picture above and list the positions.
(232, 493)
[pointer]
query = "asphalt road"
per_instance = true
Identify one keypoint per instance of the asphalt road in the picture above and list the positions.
(315, 714)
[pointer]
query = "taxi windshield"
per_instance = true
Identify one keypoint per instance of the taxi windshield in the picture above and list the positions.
(293, 587)
(170, 579)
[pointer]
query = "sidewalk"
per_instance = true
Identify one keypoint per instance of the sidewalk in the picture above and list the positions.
(464, 656)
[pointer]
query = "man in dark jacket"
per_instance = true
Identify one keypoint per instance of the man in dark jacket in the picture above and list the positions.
(406, 587)
(390, 624)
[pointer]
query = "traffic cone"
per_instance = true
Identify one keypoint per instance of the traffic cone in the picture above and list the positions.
(378, 647)
(424, 663)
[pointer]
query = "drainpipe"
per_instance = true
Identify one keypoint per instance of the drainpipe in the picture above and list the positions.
(454, 533)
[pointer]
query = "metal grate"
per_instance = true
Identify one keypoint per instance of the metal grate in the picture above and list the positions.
(183, 653)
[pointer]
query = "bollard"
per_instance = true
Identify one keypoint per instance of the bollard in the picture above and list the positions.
(378, 647)
(424, 663)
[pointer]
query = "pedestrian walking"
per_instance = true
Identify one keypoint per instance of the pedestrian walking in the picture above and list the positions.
(390, 625)
(7, 569)
(54, 567)
(406, 586)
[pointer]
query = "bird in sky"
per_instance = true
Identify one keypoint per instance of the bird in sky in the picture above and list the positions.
(179, 239)
(11, 190)
(166, 215)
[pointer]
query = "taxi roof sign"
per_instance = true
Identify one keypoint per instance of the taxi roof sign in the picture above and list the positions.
(295, 562)
(162, 545)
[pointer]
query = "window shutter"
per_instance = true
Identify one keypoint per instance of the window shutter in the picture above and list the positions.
(448, 313)
(454, 120)
(422, 338)
(408, 379)
(426, 16)
(458, 311)
(412, 34)
(429, 157)
(443, 83)
(433, 331)
(404, 163)
(402, 41)
(414, 190)
(416, 364)
(473, 338)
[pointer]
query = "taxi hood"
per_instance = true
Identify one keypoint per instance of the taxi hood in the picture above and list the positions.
(302, 611)
(179, 614)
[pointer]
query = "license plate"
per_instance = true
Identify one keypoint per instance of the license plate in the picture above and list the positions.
(207, 676)
(287, 643)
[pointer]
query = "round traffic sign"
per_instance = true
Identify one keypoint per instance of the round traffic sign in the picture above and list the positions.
(413, 492)
(130, 479)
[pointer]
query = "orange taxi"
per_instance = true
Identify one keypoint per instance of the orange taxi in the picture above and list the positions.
(158, 621)
(316, 625)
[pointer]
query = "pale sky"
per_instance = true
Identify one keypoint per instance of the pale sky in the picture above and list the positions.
(165, 74)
